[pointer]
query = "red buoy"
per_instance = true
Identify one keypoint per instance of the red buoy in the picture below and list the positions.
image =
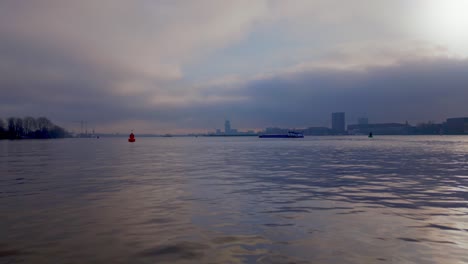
(131, 138)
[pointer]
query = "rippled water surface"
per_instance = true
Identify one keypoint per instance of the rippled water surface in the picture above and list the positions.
(235, 200)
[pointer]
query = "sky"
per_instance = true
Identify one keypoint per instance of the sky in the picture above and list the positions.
(186, 66)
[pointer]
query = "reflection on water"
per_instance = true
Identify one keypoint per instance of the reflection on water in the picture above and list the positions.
(235, 200)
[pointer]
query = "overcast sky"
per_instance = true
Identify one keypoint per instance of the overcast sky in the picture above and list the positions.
(183, 66)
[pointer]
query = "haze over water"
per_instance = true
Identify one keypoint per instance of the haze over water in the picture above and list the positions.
(235, 200)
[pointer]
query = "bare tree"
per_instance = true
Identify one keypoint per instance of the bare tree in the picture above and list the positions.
(2, 129)
(19, 131)
(29, 125)
(44, 124)
(11, 127)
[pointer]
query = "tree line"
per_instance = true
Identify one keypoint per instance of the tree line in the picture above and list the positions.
(30, 127)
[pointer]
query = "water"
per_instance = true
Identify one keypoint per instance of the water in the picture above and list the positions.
(235, 200)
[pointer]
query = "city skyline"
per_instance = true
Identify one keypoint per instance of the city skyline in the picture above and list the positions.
(177, 67)
(339, 125)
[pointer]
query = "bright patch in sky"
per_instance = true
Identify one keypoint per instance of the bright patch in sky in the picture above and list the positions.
(444, 22)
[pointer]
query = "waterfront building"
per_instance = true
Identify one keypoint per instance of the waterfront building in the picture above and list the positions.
(363, 121)
(338, 123)
(316, 131)
(227, 127)
(380, 129)
(457, 126)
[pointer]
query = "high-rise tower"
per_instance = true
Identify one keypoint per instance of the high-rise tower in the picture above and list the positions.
(227, 127)
(338, 122)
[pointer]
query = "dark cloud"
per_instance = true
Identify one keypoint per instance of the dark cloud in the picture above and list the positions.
(122, 65)
(414, 90)
(37, 80)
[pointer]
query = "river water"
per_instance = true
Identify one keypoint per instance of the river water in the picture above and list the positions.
(401, 199)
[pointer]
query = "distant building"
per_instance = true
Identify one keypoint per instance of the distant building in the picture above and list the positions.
(227, 127)
(316, 131)
(218, 131)
(457, 125)
(276, 130)
(363, 121)
(380, 129)
(428, 128)
(338, 123)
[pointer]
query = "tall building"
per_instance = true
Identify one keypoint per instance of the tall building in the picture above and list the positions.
(338, 122)
(227, 127)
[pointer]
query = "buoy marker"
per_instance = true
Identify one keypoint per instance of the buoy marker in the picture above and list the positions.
(131, 138)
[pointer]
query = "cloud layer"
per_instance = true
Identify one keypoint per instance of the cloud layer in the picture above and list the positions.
(176, 66)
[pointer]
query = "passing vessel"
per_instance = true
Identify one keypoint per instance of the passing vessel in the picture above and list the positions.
(290, 134)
